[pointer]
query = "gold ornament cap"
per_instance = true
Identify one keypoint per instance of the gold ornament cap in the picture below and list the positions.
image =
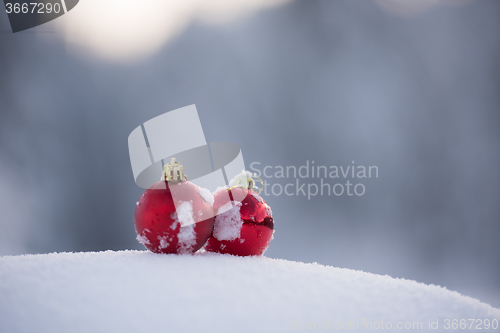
(173, 172)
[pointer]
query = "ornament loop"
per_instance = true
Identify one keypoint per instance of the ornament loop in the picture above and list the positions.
(173, 172)
(246, 181)
(251, 183)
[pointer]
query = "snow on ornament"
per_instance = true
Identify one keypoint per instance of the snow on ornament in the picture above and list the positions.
(174, 215)
(243, 224)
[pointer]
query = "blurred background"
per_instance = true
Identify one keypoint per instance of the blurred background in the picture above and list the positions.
(412, 87)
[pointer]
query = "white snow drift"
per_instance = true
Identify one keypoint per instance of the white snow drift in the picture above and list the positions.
(134, 291)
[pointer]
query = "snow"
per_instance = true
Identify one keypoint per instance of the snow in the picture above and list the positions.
(163, 242)
(256, 196)
(206, 195)
(186, 236)
(138, 291)
(185, 213)
(175, 220)
(241, 179)
(227, 226)
(187, 239)
(269, 210)
(142, 239)
(221, 188)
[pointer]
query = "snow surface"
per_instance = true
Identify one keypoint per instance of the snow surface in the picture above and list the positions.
(138, 291)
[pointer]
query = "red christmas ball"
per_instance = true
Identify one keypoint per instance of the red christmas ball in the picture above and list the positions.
(174, 217)
(243, 223)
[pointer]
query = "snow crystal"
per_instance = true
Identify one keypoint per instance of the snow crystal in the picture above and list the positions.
(256, 196)
(187, 235)
(143, 239)
(221, 188)
(206, 195)
(163, 242)
(269, 211)
(241, 179)
(227, 226)
(185, 213)
(187, 239)
(175, 220)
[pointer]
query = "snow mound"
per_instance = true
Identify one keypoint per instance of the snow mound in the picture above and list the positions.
(138, 291)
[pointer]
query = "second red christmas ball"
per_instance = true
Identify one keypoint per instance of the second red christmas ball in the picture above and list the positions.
(243, 224)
